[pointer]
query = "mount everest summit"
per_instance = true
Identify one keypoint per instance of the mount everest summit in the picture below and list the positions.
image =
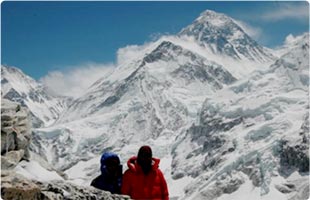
(222, 35)
(227, 116)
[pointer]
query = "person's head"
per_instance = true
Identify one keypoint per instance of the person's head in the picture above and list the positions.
(110, 164)
(144, 158)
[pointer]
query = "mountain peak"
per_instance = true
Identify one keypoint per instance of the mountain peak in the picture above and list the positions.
(19, 87)
(10, 69)
(220, 34)
(213, 18)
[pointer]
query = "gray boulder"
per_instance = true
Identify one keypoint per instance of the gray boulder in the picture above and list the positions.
(15, 133)
(11, 159)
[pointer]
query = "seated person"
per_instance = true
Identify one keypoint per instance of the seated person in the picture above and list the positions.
(143, 179)
(111, 174)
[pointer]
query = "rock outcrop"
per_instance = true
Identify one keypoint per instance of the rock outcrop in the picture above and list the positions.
(295, 155)
(15, 134)
(15, 186)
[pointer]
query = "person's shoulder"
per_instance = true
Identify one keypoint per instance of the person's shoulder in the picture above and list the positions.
(159, 172)
(129, 171)
(98, 177)
(96, 181)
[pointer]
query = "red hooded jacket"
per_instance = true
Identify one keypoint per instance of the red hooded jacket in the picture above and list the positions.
(140, 186)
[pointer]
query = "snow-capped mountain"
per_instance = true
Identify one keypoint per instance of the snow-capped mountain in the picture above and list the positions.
(16, 86)
(222, 35)
(168, 68)
(129, 110)
(290, 44)
(218, 109)
(252, 137)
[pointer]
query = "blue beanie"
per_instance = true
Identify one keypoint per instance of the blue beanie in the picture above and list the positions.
(105, 157)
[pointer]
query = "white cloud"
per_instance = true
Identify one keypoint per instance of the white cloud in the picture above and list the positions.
(128, 53)
(75, 80)
(287, 10)
(156, 36)
(254, 32)
(133, 52)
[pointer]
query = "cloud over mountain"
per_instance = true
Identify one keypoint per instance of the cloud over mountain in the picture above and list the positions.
(72, 82)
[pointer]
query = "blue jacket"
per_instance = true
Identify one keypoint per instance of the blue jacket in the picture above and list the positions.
(105, 181)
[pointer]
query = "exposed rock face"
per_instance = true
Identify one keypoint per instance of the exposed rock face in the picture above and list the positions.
(15, 134)
(296, 155)
(16, 187)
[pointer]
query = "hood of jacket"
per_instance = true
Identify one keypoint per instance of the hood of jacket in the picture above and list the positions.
(135, 167)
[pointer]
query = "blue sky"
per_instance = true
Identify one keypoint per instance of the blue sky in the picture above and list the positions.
(42, 37)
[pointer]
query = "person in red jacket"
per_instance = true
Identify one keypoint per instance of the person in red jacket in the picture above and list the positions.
(143, 179)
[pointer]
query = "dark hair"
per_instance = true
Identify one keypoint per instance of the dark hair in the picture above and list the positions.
(145, 151)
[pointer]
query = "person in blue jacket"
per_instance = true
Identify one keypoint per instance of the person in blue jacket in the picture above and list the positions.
(110, 178)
